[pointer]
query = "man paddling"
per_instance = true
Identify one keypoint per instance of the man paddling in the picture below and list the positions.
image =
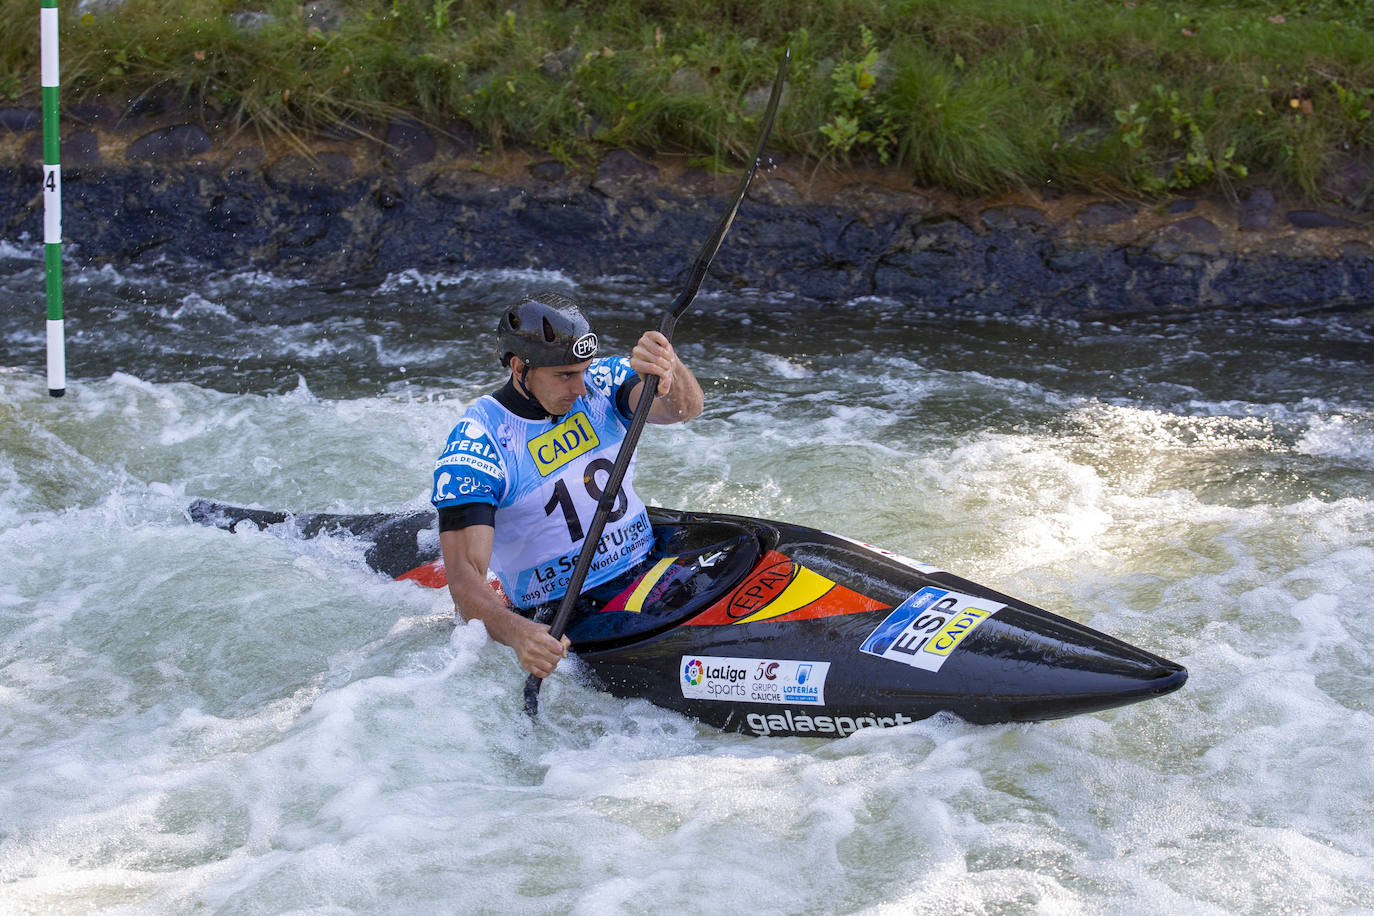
(520, 476)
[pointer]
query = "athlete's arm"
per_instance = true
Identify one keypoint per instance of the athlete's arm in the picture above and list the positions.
(467, 553)
(679, 395)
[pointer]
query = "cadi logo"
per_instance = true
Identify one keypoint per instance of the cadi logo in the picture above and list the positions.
(692, 672)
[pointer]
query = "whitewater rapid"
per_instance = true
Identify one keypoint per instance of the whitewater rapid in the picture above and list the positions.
(197, 721)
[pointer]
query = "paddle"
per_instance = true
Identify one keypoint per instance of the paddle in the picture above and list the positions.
(650, 388)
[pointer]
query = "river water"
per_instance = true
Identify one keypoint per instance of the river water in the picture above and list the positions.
(193, 721)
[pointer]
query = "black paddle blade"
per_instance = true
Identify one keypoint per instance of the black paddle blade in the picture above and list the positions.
(532, 685)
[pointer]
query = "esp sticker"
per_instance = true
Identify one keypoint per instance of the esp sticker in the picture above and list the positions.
(924, 629)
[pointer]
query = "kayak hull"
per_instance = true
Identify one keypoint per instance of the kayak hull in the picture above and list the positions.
(796, 631)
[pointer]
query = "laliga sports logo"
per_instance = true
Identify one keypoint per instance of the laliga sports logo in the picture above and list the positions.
(585, 346)
(693, 672)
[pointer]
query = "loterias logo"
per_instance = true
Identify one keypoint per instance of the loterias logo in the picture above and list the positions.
(555, 448)
(692, 672)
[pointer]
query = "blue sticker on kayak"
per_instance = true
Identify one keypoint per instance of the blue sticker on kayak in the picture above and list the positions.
(924, 629)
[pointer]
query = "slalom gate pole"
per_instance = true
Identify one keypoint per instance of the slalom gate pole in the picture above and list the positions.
(52, 205)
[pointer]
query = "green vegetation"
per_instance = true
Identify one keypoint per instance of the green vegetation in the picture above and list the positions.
(974, 95)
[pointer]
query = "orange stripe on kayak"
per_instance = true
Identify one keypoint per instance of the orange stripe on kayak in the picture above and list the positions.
(779, 587)
(430, 575)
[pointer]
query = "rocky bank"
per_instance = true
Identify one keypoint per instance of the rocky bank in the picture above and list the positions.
(142, 182)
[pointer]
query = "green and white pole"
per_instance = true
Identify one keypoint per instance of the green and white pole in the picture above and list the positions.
(52, 206)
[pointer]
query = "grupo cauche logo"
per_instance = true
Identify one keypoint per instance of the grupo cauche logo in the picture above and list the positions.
(692, 672)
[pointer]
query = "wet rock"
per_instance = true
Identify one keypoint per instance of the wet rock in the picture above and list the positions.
(1257, 212)
(1316, 219)
(1182, 206)
(318, 174)
(229, 213)
(81, 147)
(549, 171)
(621, 171)
(1004, 219)
(1103, 214)
(460, 138)
(169, 144)
(1195, 228)
(19, 120)
(143, 108)
(93, 114)
(339, 218)
(1351, 181)
(776, 191)
(408, 144)
(868, 197)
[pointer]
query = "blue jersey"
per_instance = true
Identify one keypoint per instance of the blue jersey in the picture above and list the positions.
(544, 477)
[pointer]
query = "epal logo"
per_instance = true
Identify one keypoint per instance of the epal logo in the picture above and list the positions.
(693, 672)
(585, 346)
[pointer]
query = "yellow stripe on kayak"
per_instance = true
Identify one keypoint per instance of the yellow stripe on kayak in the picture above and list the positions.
(647, 583)
(801, 591)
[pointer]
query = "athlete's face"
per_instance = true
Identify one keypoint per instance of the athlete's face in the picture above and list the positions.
(555, 387)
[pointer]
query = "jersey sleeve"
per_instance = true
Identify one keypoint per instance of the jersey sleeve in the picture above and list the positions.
(613, 377)
(470, 470)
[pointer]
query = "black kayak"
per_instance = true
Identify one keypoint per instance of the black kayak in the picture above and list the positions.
(769, 628)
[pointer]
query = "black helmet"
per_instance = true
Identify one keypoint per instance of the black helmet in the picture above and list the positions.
(545, 329)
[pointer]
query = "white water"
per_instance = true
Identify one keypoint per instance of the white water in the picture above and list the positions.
(193, 721)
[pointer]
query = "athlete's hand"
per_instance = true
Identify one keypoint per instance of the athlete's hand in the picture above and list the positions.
(538, 652)
(654, 355)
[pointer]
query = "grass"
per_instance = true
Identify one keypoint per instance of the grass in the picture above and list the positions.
(978, 96)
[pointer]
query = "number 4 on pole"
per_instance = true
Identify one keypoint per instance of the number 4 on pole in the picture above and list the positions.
(52, 205)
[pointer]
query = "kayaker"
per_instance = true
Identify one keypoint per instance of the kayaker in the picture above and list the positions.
(520, 476)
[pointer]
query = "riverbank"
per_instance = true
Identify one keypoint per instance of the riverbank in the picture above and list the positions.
(142, 183)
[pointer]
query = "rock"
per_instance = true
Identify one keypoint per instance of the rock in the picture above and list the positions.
(81, 147)
(1258, 210)
(621, 171)
(1351, 181)
(549, 171)
(318, 174)
(755, 101)
(19, 120)
(1316, 219)
(1204, 230)
(169, 144)
(687, 81)
(775, 191)
(1104, 214)
(353, 213)
(93, 113)
(408, 144)
(1005, 219)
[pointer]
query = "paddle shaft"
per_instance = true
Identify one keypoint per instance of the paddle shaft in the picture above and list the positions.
(649, 389)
